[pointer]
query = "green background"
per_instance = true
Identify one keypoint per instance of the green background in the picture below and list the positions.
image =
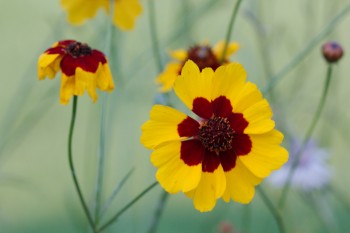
(36, 190)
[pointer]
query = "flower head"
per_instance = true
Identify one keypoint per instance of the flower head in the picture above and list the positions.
(125, 12)
(82, 69)
(312, 171)
(332, 51)
(227, 150)
(203, 55)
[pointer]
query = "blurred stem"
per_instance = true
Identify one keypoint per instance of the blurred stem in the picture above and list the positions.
(127, 206)
(158, 212)
(274, 211)
(102, 143)
(185, 13)
(307, 49)
(247, 214)
(230, 29)
(307, 136)
(115, 192)
(154, 35)
(311, 202)
(71, 165)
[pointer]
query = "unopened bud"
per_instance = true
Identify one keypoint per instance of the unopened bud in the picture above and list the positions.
(332, 51)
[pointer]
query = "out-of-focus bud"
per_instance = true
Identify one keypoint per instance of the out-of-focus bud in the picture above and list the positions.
(225, 227)
(332, 51)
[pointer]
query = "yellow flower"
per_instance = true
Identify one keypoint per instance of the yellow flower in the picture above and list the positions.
(203, 55)
(125, 12)
(82, 69)
(224, 153)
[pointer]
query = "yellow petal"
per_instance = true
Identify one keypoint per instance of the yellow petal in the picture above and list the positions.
(48, 65)
(231, 49)
(249, 96)
(210, 188)
(173, 174)
(266, 154)
(126, 12)
(259, 118)
(240, 184)
(80, 10)
(179, 54)
(193, 84)
(168, 77)
(105, 79)
(162, 126)
(229, 81)
(67, 88)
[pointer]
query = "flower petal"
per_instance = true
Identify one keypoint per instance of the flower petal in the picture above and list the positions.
(259, 118)
(240, 184)
(105, 79)
(67, 88)
(80, 10)
(266, 154)
(249, 96)
(192, 84)
(211, 187)
(162, 127)
(48, 65)
(179, 54)
(231, 49)
(229, 81)
(125, 13)
(167, 78)
(173, 174)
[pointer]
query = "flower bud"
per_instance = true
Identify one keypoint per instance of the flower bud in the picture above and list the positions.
(332, 51)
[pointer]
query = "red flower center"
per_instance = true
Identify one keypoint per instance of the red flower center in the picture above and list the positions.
(77, 49)
(203, 56)
(216, 134)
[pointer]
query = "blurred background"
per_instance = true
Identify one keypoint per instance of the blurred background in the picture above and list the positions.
(36, 190)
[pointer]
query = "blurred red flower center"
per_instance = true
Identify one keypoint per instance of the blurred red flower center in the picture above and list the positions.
(203, 56)
(216, 134)
(77, 49)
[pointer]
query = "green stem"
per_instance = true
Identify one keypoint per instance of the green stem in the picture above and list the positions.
(307, 136)
(274, 211)
(158, 212)
(229, 30)
(116, 190)
(247, 216)
(127, 206)
(71, 165)
(307, 49)
(154, 37)
(102, 144)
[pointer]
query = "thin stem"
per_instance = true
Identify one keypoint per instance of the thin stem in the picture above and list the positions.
(230, 29)
(154, 34)
(115, 192)
(307, 136)
(127, 206)
(71, 165)
(307, 49)
(274, 211)
(158, 212)
(102, 143)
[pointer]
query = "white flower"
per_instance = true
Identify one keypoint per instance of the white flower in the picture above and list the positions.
(312, 171)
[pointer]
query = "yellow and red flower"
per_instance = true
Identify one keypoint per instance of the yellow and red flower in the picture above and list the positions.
(125, 12)
(224, 153)
(203, 55)
(82, 69)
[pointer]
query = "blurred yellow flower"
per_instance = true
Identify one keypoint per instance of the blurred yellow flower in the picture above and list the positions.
(125, 12)
(203, 55)
(224, 153)
(82, 69)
